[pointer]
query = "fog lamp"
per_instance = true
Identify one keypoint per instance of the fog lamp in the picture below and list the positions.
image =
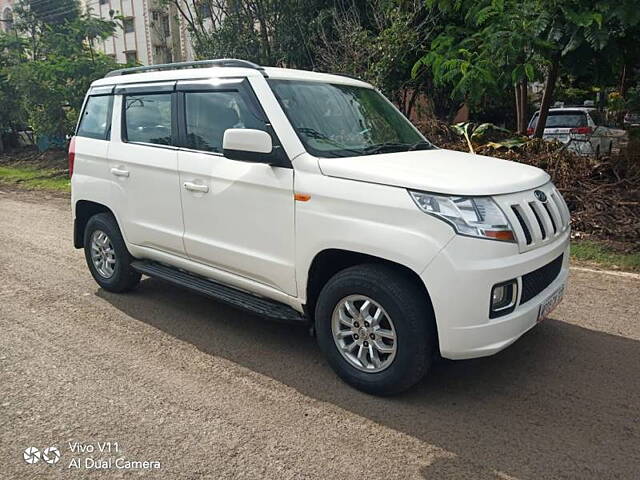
(503, 298)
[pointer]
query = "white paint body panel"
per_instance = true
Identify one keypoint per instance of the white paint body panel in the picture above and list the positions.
(438, 171)
(147, 199)
(247, 231)
(244, 223)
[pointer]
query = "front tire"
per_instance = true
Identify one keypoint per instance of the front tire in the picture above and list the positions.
(376, 328)
(107, 256)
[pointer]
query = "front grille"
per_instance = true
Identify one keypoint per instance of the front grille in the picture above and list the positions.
(535, 282)
(535, 223)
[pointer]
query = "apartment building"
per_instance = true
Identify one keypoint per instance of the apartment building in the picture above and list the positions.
(151, 33)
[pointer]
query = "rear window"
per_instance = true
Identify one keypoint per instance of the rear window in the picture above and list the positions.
(96, 118)
(563, 119)
(148, 118)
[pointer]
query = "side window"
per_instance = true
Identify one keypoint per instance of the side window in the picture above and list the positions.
(596, 117)
(148, 118)
(96, 117)
(209, 114)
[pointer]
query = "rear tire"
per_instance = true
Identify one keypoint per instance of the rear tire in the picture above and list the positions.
(107, 256)
(404, 310)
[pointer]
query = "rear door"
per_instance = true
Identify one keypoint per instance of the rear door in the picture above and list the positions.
(238, 216)
(92, 145)
(143, 164)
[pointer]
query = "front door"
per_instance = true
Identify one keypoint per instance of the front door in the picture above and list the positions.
(238, 216)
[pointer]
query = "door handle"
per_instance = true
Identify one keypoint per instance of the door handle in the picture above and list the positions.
(119, 172)
(196, 187)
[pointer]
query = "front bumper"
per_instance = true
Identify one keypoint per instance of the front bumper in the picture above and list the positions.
(460, 279)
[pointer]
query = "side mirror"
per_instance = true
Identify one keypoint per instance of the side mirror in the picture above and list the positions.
(248, 145)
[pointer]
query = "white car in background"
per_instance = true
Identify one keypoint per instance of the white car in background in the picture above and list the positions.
(582, 129)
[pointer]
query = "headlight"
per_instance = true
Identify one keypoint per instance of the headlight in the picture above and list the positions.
(473, 216)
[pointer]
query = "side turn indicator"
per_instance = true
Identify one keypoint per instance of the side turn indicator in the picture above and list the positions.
(301, 197)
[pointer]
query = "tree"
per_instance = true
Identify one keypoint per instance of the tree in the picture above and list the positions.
(490, 44)
(378, 43)
(580, 29)
(487, 48)
(270, 32)
(50, 67)
(12, 116)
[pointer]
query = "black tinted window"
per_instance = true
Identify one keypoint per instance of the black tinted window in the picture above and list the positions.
(148, 118)
(96, 117)
(209, 114)
(562, 119)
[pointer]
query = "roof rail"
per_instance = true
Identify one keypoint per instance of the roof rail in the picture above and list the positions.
(219, 62)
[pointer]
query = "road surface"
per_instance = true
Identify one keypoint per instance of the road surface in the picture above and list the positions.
(210, 392)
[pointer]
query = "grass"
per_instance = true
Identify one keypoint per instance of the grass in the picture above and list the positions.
(600, 254)
(36, 178)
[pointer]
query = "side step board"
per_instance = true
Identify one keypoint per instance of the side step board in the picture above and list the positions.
(228, 295)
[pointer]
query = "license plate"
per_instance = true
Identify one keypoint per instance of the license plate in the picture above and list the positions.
(550, 303)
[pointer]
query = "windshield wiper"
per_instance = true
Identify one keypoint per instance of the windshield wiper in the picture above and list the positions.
(396, 147)
(422, 145)
(370, 150)
(316, 135)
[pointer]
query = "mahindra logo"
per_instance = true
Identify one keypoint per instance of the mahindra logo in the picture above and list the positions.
(540, 195)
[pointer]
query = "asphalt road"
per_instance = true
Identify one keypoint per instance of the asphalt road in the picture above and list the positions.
(211, 392)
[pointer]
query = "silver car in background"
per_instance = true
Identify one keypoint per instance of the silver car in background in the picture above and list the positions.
(582, 129)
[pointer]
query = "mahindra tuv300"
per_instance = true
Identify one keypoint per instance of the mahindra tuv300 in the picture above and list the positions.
(308, 197)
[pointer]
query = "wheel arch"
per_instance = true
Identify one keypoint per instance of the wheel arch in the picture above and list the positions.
(84, 210)
(331, 261)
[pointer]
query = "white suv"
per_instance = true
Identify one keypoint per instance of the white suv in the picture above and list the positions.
(308, 197)
(582, 129)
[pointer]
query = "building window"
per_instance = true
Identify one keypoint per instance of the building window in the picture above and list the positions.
(204, 9)
(7, 20)
(162, 55)
(131, 56)
(103, 2)
(128, 25)
(166, 28)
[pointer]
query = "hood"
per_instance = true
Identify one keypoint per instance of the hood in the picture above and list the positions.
(438, 171)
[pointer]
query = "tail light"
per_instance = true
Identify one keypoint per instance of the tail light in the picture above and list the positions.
(582, 130)
(72, 154)
(529, 131)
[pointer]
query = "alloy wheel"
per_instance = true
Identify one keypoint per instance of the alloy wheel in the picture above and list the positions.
(364, 333)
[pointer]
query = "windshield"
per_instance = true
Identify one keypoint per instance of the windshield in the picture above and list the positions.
(564, 119)
(345, 121)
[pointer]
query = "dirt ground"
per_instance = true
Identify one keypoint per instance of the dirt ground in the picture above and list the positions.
(211, 392)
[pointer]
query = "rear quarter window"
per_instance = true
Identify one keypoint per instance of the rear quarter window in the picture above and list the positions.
(95, 121)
